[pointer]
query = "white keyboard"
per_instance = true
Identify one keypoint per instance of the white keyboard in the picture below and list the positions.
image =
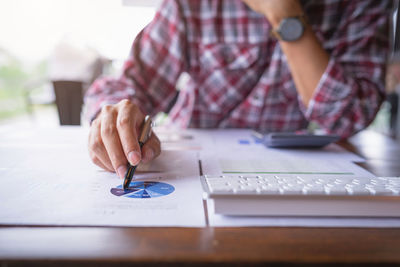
(303, 185)
(295, 195)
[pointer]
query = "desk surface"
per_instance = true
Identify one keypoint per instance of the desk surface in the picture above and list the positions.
(170, 246)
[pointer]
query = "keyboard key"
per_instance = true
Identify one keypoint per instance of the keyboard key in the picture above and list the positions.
(358, 190)
(395, 191)
(220, 189)
(381, 191)
(336, 190)
(246, 190)
(255, 181)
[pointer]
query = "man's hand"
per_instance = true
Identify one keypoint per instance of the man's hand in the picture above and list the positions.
(113, 138)
(276, 10)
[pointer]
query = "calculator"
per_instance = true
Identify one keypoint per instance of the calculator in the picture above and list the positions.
(295, 140)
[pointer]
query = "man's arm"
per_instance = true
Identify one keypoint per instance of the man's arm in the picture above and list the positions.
(117, 107)
(306, 58)
(342, 90)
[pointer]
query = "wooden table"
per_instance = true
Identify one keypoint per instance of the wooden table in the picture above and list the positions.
(96, 246)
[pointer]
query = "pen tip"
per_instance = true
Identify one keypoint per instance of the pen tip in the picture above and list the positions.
(125, 185)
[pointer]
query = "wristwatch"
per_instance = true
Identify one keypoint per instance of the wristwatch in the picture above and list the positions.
(290, 29)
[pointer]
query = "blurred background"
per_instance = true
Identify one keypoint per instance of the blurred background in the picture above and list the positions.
(48, 47)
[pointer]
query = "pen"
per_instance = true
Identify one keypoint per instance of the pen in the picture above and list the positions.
(144, 135)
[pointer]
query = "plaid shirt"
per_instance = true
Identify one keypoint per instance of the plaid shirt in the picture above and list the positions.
(239, 76)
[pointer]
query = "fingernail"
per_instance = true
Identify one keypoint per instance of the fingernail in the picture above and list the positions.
(121, 170)
(134, 158)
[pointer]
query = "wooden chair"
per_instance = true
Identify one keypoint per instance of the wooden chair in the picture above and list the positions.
(69, 101)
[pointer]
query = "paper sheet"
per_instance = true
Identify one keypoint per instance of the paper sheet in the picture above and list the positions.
(56, 184)
(225, 141)
(235, 152)
(286, 165)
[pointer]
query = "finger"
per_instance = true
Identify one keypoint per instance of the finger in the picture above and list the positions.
(97, 162)
(151, 149)
(129, 121)
(112, 143)
(96, 147)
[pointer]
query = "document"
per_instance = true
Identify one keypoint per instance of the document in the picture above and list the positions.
(234, 152)
(228, 140)
(53, 182)
(289, 165)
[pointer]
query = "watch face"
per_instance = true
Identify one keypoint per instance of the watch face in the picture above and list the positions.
(291, 29)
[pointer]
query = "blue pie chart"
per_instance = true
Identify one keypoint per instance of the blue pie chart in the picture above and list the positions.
(143, 190)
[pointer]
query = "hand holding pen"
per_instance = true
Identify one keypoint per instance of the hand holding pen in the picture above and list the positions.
(114, 138)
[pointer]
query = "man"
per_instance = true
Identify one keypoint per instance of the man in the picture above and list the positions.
(324, 64)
